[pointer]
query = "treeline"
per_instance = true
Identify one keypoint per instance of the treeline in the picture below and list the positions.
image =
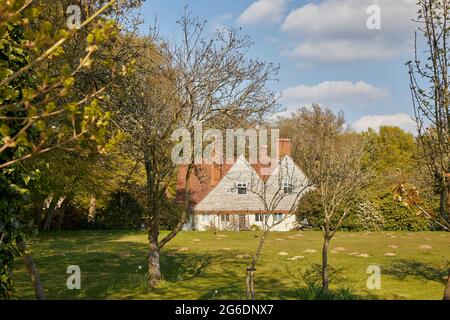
(97, 193)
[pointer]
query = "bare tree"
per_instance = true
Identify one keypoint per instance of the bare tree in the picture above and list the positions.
(332, 160)
(198, 80)
(429, 86)
(280, 191)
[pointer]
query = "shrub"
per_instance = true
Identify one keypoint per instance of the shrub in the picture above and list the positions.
(314, 292)
(122, 211)
(399, 217)
(379, 212)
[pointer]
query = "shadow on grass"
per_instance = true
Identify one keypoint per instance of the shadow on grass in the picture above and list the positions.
(313, 292)
(113, 267)
(426, 272)
(309, 285)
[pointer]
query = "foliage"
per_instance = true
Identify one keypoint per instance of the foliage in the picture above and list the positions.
(122, 211)
(380, 213)
(48, 106)
(313, 278)
(398, 216)
(40, 108)
(14, 229)
(13, 180)
(315, 292)
(390, 152)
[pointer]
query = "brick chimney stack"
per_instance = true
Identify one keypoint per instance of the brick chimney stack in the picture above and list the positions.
(215, 174)
(284, 147)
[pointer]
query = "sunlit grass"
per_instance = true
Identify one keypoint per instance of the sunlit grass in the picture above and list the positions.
(204, 265)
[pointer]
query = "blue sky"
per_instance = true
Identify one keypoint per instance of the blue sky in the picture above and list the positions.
(326, 52)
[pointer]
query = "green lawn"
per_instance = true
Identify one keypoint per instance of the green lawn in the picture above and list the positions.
(203, 265)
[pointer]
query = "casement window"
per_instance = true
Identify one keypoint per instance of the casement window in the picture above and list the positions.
(241, 187)
(288, 188)
(277, 217)
(258, 217)
(225, 218)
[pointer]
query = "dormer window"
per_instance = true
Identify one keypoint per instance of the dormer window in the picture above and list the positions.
(241, 187)
(288, 188)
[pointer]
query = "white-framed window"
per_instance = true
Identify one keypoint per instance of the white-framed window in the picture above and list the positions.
(258, 217)
(277, 217)
(241, 187)
(225, 217)
(288, 188)
(205, 218)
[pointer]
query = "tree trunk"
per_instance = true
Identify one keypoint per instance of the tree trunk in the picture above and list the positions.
(325, 280)
(444, 198)
(153, 196)
(447, 193)
(92, 208)
(447, 288)
(51, 212)
(250, 287)
(37, 207)
(33, 271)
(62, 212)
(154, 268)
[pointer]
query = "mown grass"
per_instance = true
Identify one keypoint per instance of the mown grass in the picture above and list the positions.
(204, 265)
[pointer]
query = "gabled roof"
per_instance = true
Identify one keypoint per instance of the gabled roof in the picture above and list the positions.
(201, 179)
(200, 182)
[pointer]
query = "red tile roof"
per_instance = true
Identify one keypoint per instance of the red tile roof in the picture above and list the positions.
(201, 180)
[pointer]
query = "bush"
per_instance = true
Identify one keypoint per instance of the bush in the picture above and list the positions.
(399, 217)
(314, 292)
(122, 211)
(363, 216)
(312, 276)
(75, 217)
(380, 212)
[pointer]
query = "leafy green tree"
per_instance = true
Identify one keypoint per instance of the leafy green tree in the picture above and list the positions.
(41, 110)
(391, 153)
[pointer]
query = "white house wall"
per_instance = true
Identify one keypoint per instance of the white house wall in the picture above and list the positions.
(208, 222)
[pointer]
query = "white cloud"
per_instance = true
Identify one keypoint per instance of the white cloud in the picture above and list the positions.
(401, 120)
(333, 94)
(263, 11)
(336, 30)
(347, 50)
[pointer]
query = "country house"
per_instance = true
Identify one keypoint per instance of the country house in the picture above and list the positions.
(243, 196)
